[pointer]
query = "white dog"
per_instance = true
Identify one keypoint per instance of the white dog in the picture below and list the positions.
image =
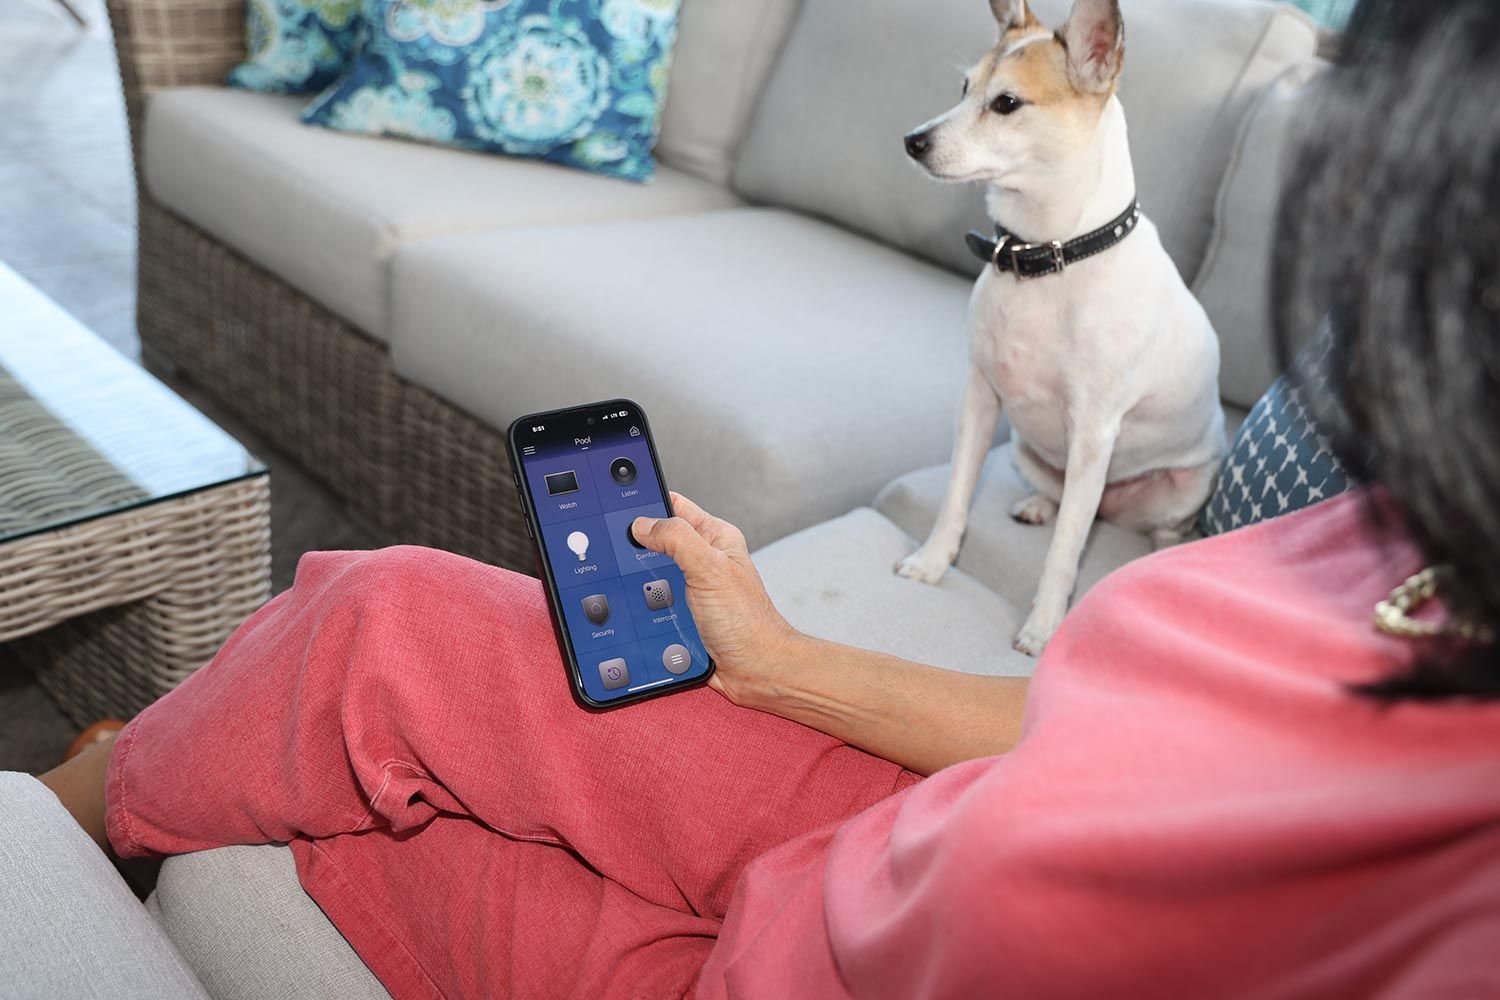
(1104, 361)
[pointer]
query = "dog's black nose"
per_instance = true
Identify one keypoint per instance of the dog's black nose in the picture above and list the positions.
(918, 144)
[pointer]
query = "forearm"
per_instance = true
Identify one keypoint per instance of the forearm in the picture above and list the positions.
(923, 718)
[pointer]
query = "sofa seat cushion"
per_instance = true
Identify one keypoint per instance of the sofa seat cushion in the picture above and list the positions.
(324, 211)
(836, 580)
(789, 368)
(1002, 553)
(242, 921)
(69, 925)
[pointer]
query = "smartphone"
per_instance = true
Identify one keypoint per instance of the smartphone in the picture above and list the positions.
(584, 474)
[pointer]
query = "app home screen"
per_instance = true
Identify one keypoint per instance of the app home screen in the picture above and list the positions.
(622, 605)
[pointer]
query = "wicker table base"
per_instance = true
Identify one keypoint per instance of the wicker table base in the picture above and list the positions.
(112, 613)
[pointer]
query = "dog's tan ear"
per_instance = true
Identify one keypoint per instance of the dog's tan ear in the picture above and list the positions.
(1009, 13)
(1095, 37)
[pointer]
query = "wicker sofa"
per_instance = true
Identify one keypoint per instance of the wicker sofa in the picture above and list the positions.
(392, 382)
(808, 284)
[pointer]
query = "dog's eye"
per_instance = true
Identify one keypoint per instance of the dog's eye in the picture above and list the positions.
(966, 86)
(1007, 104)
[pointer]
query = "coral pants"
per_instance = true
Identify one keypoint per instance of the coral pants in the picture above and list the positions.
(402, 718)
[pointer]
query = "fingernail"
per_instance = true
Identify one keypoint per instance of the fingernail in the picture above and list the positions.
(643, 525)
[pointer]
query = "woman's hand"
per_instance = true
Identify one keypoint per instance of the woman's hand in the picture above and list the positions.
(745, 634)
(921, 717)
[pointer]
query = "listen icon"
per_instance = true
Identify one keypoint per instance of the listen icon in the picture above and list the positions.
(579, 543)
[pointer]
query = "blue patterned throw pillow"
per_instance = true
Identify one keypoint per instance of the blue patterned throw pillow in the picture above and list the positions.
(1332, 14)
(296, 46)
(577, 82)
(1279, 463)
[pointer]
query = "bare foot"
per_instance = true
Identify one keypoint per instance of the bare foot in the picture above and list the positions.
(79, 784)
(100, 732)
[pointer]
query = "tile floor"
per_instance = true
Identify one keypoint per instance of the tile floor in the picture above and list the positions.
(67, 225)
(67, 192)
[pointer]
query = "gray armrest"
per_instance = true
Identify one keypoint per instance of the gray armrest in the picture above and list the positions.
(70, 926)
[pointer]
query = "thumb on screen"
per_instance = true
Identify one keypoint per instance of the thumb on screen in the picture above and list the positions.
(672, 536)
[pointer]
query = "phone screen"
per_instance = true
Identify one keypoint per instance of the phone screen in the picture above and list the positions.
(621, 607)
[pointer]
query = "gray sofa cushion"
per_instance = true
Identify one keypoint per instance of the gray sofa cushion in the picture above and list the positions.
(240, 918)
(854, 78)
(835, 580)
(1235, 286)
(324, 211)
(789, 368)
(724, 52)
(1002, 553)
(999, 552)
(69, 926)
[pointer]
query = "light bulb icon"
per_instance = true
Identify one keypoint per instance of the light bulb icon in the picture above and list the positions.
(579, 543)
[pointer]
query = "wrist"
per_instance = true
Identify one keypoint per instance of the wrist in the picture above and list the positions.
(783, 662)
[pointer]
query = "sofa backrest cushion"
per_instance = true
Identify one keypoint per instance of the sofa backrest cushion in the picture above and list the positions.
(854, 78)
(724, 52)
(1235, 283)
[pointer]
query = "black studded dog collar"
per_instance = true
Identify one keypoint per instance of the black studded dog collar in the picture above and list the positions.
(1033, 260)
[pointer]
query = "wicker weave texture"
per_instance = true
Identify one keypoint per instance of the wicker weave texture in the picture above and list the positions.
(173, 43)
(326, 394)
(319, 389)
(48, 474)
(457, 487)
(113, 613)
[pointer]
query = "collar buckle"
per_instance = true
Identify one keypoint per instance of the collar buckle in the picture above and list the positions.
(1059, 260)
(999, 249)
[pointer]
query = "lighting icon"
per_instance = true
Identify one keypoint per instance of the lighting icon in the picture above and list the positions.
(579, 543)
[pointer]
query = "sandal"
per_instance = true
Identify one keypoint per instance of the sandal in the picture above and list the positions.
(100, 732)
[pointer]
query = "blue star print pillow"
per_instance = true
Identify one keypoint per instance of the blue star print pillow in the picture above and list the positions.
(1279, 462)
(577, 82)
(296, 46)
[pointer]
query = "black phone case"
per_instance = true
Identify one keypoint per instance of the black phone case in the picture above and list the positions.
(554, 603)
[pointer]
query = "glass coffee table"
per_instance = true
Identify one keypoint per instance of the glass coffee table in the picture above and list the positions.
(134, 533)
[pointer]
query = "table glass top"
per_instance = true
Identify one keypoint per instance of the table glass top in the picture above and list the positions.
(84, 431)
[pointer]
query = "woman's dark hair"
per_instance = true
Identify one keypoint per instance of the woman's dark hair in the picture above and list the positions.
(1389, 225)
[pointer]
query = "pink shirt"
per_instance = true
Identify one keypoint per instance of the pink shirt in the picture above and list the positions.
(1199, 807)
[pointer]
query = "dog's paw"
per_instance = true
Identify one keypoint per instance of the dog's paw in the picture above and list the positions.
(1035, 509)
(925, 565)
(1035, 635)
(1031, 642)
(1165, 538)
